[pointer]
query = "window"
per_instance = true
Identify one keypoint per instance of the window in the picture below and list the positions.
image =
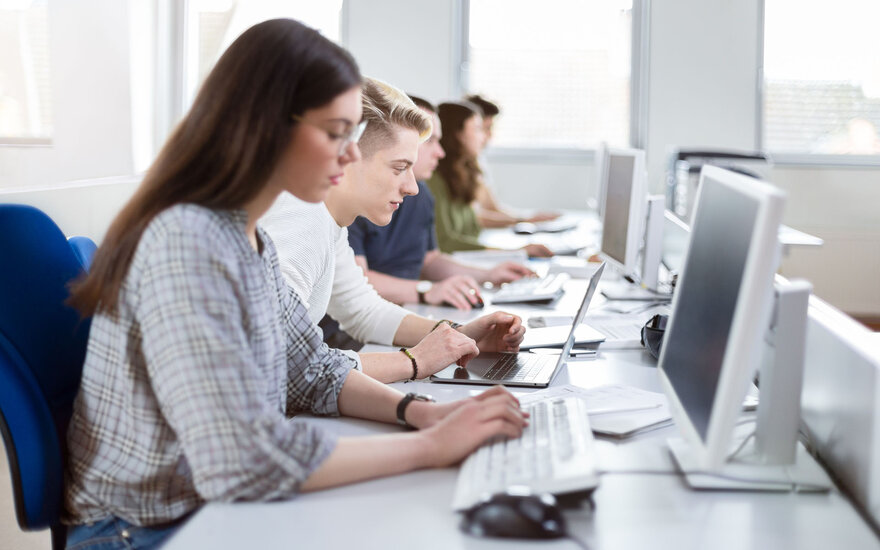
(25, 92)
(214, 24)
(559, 69)
(821, 77)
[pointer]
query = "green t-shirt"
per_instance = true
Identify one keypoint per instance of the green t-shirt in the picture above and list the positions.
(456, 222)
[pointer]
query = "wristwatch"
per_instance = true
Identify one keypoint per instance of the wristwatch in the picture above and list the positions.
(404, 403)
(422, 288)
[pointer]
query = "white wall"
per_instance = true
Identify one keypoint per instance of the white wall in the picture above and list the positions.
(91, 95)
(409, 43)
(702, 88)
(842, 206)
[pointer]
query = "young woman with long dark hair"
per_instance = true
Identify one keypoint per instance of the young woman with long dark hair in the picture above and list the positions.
(199, 353)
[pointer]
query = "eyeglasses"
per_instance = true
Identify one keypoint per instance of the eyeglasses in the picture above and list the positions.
(352, 135)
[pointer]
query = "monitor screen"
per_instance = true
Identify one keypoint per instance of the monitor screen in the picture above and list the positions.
(716, 260)
(618, 196)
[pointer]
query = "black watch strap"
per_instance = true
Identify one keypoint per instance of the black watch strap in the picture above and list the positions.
(404, 403)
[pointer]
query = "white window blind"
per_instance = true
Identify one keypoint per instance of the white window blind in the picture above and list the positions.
(25, 88)
(559, 70)
(821, 77)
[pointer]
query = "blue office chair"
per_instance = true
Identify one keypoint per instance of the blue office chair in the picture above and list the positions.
(42, 348)
(84, 248)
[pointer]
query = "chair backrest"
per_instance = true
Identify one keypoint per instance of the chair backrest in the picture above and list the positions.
(84, 248)
(42, 348)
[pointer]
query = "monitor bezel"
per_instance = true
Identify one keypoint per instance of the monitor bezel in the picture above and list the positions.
(750, 318)
(635, 221)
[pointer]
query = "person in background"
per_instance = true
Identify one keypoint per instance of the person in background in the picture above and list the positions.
(457, 179)
(319, 264)
(199, 353)
(395, 256)
(490, 212)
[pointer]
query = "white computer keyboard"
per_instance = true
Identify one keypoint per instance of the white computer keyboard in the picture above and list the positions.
(532, 289)
(554, 455)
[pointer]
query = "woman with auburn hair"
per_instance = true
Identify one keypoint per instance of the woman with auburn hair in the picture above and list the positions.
(199, 353)
(458, 178)
(317, 261)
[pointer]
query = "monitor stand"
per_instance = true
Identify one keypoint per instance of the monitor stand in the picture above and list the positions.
(772, 460)
(747, 472)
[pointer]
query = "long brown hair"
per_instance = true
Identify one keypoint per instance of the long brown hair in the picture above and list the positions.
(224, 150)
(459, 168)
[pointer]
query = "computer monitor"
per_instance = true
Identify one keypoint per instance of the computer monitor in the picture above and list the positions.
(622, 224)
(721, 309)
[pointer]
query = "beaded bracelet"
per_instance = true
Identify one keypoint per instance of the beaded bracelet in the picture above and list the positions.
(412, 358)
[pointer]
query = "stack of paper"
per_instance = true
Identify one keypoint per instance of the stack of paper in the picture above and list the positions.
(615, 410)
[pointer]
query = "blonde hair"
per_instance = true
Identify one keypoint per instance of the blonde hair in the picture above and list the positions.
(385, 107)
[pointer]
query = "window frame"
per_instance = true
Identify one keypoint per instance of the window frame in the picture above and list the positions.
(638, 120)
(42, 142)
(795, 159)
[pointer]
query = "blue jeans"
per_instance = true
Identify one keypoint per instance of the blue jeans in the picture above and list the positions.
(117, 534)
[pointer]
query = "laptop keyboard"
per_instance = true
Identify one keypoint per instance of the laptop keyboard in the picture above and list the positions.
(555, 454)
(531, 289)
(522, 367)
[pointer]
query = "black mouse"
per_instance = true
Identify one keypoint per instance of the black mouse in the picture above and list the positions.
(525, 228)
(478, 305)
(515, 516)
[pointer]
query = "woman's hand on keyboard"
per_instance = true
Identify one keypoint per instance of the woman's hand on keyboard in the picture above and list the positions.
(497, 331)
(508, 271)
(461, 291)
(471, 423)
(442, 347)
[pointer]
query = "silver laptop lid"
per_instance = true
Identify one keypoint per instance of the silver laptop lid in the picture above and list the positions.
(579, 317)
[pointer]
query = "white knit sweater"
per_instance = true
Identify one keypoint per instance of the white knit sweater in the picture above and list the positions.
(318, 263)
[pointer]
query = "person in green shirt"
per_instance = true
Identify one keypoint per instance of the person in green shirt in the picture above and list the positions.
(457, 179)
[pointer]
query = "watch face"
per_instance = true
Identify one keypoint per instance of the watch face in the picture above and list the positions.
(424, 286)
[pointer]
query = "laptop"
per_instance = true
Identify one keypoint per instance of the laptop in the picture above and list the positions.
(519, 369)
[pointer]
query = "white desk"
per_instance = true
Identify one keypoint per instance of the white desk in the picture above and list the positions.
(651, 509)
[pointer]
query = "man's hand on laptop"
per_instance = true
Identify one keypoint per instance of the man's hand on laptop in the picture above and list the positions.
(497, 331)
(442, 347)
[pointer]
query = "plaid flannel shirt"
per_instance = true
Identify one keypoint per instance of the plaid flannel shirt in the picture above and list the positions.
(188, 390)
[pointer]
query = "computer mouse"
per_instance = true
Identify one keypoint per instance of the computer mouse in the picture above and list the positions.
(478, 305)
(515, 516)
(525, 228)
